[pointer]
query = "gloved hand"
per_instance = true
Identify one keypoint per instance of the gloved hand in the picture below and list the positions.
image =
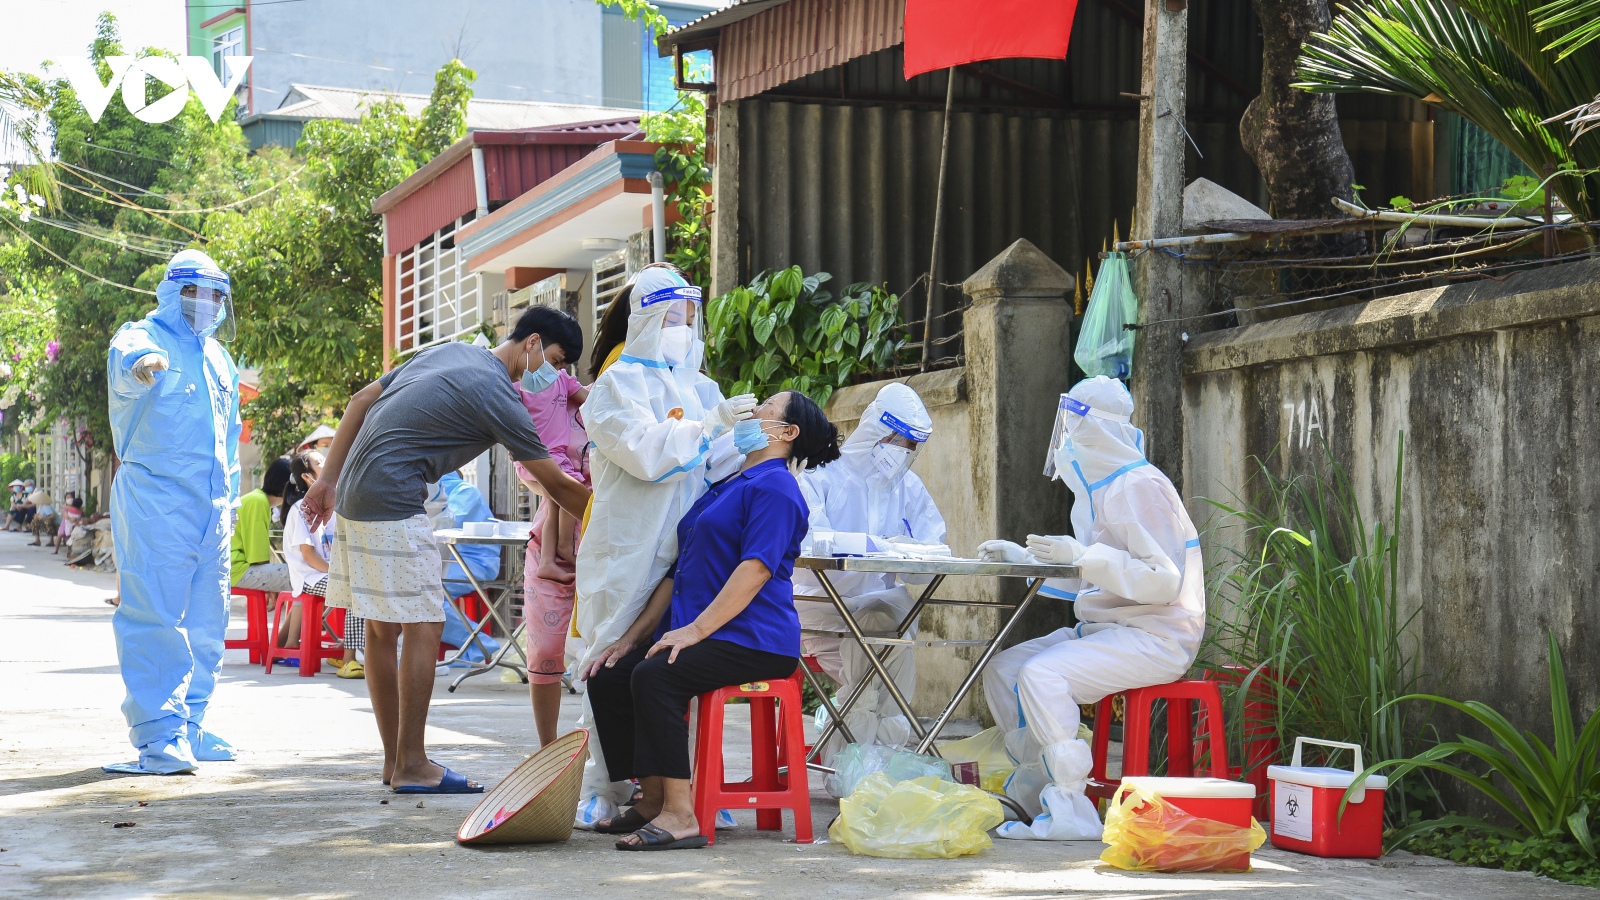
(146, 367)
(727, 413)
(1061, 551)
(1003, 551)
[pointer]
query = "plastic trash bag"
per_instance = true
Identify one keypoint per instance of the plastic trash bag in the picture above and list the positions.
(1148, 834)
(1104, 346)
(924, 818)
(857, 761)
(987, 748)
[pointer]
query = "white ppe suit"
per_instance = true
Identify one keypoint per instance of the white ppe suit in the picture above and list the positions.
(661, 434)
(1140, 604)
(868, 492)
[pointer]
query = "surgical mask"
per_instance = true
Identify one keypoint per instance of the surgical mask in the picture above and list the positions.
(1063, 458)
(750, 435)
(201, 313)
(891, 462)
(676, 342)
(539, 379)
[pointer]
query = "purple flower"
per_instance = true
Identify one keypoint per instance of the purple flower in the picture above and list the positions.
(52, 350)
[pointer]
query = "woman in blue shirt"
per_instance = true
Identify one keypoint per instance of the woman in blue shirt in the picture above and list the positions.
(724, 615)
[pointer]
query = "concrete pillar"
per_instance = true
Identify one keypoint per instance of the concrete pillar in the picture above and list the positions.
(725, 198)
(1017, 335)
(1158, 212)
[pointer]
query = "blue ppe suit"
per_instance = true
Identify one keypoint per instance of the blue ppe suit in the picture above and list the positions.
(466, 504)
(172, 504)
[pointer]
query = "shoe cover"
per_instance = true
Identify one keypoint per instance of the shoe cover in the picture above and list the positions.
(169, 757)
(1067, 817)
(1024, 785)
(1068, 764)
(208, 747)
(592, 810)
(1021, 746)
(725, 819)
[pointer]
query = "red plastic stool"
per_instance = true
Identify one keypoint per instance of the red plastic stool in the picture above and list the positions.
(255, 617)
(313, 649)
(1260, 737)
(1181, 696)
(777, 735)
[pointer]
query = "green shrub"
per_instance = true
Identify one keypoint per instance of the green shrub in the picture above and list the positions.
(785, 331)
(14, 466)
(1559, 858)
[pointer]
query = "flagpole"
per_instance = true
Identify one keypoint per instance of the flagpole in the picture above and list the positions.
(938, 218)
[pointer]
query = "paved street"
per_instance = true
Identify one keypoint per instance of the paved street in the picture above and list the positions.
(301, 813)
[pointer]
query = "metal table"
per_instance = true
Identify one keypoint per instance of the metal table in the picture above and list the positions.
(939, 569)
(497, 604)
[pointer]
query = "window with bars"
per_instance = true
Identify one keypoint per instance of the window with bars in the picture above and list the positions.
(436, 299)
(611, 273)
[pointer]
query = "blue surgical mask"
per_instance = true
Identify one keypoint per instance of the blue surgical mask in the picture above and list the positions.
(540, 379)
(748, 436)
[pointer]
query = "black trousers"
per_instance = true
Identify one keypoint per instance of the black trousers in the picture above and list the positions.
(641, 706)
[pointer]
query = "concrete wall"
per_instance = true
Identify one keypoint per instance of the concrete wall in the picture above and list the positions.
(983, 465)
(545, 50)
(1495, 386)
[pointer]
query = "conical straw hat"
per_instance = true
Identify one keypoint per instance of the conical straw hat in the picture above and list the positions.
(536, 802)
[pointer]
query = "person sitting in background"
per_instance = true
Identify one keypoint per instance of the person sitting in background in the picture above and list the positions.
(252, 568)
(723, 615)
(19, 501)
(44, 517)
(306, 553)
(71, 515)
(465, 504)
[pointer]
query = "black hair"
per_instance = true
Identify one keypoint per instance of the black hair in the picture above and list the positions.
(613, 330)
(553, 327)
(818, 443)
(299, 466)
(276, 477)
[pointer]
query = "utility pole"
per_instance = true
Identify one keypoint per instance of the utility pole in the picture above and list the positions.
(1157, 376)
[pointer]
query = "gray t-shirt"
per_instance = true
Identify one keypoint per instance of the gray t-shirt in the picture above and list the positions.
(437, 412)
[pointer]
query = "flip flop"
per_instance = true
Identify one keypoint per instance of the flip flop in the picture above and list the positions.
(627, 823)
(654, 837)
(453, 782)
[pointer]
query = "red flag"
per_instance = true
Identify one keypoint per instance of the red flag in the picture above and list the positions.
(944, 33)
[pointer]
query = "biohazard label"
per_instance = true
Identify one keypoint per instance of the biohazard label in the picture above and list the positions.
(1291, 810)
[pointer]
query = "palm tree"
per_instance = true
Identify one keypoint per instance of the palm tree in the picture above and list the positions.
(23, 101)
(1484, 60)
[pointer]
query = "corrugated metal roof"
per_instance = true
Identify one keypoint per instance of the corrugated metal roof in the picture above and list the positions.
(708, 25)
(800, 37)
(306, 102)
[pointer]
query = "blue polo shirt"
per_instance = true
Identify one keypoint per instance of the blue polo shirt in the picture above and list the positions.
(756, 514)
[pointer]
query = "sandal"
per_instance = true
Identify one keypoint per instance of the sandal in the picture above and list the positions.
(654, 837)
(351, 669)
(627, 822)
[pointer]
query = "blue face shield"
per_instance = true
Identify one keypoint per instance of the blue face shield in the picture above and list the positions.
(205, 298)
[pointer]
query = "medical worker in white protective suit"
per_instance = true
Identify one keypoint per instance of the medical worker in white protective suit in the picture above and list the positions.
(661, 433)
(174, 407)
(1140, 606)
(869, 499)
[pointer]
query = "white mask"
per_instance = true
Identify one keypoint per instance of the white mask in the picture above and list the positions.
(891, 462)
(1064, 459)
(676, 342)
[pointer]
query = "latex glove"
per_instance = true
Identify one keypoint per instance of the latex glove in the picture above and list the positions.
(1003, 551)
(146, 367)
(1061, 551)
(726, 413)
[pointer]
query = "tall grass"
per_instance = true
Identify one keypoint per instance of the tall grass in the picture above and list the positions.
(1306, 604)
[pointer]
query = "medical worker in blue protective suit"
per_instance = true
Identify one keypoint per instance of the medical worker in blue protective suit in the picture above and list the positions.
(465, 504)
(1141, 607)
(661, 433)
(175, 425)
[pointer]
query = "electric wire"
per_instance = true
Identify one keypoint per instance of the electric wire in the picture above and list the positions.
(71, 265)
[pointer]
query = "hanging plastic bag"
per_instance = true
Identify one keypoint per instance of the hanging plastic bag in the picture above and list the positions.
(924, 818)
(1104, 346)
(1148, 834)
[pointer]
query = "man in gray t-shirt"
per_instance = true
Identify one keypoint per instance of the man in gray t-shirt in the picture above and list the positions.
(429, 417)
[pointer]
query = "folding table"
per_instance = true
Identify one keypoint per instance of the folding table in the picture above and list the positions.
(498, 604)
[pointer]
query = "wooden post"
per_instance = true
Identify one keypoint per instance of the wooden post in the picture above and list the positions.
(1156, 382)
(938, 220)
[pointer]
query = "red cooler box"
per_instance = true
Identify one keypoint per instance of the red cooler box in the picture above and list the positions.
(1206, 798)
(1305, 808)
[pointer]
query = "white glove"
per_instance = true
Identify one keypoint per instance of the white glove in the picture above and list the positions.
(1003, 551)
(146, 367)
(727, 412)
(1061, 551)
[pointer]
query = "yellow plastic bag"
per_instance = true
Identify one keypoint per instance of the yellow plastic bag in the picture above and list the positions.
(924, 818)
(1148, 834)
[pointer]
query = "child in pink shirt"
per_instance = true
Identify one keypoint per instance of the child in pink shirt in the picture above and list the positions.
(555, 416)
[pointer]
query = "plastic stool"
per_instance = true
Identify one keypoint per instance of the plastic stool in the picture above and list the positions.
(1181, 697)
(312, 650)
(255, 617)
(1260, 737)
(777, 735)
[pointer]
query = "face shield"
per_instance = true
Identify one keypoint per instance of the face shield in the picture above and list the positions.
(677, 309)
(1070, 414)
(208, 309)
